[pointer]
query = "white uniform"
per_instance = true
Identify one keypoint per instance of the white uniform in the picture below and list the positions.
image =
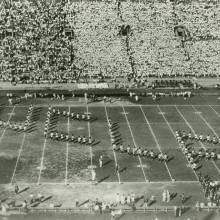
(100, 161)
(93, 175)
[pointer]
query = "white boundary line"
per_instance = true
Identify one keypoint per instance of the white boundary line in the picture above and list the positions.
(153, 148)
(89, 131)
(112, 105)
(67, 151)
(18, 157)
(116, 162)
(108, 183)
(214, 111)
(7, 122)
(193, 131)
(210, 127)
(156, 141)
(42, 160)
(171, 129)
(146, 180)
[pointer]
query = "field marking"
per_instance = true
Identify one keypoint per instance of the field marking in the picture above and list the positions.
(214, 111)
(18, 157)
(89, 131)
(210, 127)
(124, 113)
(112, 105)
(7, 122)
(150, 148)
(198, 113)
(124, 183)
(193, 131)
(207, 123)
(115, 158)
(67, 151)
(146, 180)
(156, 141)
(162, 113)
(42, 159)
(171, 129)
(11, 113)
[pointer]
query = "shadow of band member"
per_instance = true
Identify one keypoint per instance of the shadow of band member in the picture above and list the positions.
(182, 32)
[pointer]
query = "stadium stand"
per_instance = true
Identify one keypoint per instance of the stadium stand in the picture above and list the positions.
(46, 42)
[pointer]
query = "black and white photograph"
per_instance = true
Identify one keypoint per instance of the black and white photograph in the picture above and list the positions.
(109, 109)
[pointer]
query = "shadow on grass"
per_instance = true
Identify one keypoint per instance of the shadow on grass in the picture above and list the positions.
(95, 143)
(173, 196)
(103, 179)
(107, 162)
(46, 199)
(151, 203)
(123, 169)
(83, 203)
(35, 204)
(32, 129)
(185, 209)
(171, 158)
(23, 190)
(138, 199)
(187, 198)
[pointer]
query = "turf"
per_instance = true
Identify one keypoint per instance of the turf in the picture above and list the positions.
(31, 159)
(147, 126)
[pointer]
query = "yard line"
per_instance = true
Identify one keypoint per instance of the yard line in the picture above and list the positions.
(214, 111)
(112, 105)
(67, 150)
(156, 141)
(171, 129)
(167, 148)
(124, 183)
(42, 160)
(18, 157)
(116, 162)
(89, 131)
(211, 128)
(134, 144)
(7, 122)
(193, 131)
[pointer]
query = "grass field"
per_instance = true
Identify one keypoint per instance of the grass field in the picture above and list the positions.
(30, 158)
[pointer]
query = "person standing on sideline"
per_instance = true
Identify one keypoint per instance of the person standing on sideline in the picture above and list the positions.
(100, 161)
(93, 175)
(164, 196)
(10, 101)
(16, 188)
(168, 196)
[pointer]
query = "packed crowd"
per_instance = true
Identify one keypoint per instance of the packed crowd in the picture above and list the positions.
(172, 84)
(66, 42)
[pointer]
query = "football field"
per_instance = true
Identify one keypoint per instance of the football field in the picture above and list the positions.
(31, 158)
